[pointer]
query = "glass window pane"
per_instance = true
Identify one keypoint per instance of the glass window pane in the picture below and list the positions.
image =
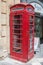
(37, 26)
(17, 33)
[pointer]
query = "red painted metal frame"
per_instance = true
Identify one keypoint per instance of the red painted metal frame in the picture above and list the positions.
(25, 55)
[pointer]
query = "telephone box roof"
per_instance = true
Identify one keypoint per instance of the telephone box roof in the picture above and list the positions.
(22, 4)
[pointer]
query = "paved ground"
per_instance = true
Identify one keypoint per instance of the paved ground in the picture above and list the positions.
(9, 61)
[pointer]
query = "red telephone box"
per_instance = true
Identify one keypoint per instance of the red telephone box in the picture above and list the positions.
(22, 32)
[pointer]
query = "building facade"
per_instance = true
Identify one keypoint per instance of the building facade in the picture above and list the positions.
(5, 24)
